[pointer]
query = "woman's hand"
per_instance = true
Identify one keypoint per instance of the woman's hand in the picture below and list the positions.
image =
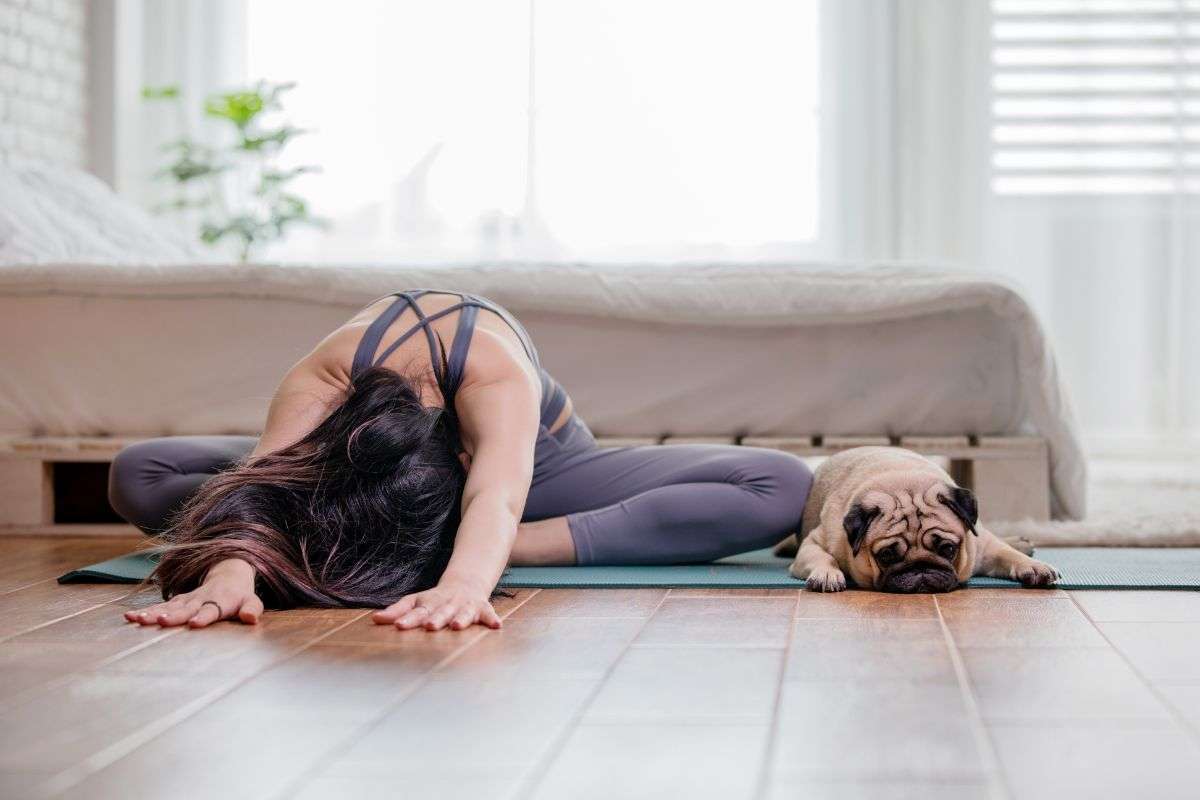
(227, 592)
(448, 605)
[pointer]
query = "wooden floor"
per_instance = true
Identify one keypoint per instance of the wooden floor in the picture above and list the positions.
(606, 694)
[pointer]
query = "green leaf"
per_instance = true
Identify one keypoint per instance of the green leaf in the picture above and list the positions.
(240, 108)
(274, 178)
(270, 139)
(170, 92)
(182, 203)
(188, 169)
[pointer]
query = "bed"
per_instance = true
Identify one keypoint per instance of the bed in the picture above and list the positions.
(804, 357)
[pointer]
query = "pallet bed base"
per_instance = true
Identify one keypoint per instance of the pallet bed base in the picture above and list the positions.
(1009, 474)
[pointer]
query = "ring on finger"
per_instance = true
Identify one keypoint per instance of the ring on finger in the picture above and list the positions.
(215, 605)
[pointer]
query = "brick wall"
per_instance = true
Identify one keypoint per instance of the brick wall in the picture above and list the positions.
(43, 108)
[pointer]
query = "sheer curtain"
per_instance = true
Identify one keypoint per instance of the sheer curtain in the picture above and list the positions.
(1056, 142)
(1095, 181)
(197, 47)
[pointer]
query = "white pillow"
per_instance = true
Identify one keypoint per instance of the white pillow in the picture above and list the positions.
(56, 214)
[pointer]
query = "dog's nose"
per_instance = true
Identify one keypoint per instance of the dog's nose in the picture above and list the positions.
(921, 581)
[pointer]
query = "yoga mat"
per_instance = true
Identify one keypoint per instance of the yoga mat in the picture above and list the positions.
(1082, 568)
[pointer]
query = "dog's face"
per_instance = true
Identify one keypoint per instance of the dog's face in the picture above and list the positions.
(912, 539)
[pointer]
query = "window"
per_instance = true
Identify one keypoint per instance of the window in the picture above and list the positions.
(565, 129)
(1096, 96)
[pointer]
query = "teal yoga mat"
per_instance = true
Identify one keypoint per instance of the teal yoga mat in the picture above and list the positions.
(1082, 568)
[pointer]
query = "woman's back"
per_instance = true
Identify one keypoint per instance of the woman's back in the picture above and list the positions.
(419, 334)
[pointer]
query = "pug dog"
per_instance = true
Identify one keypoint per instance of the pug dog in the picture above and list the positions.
(888, 519)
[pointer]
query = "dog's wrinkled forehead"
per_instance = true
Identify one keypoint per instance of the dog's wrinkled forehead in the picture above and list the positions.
(903, 510)
(913, 507)
(942, 505)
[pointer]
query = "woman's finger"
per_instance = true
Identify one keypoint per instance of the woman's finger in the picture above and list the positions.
(395, 610)
(413, 618)
(150, 614)
(177, 614)
(205, 615)
(251, 610)
(463, 619)
(147, 615)
(489, 617)
(438, 619)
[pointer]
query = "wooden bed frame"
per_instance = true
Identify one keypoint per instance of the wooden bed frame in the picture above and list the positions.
(1009, 474)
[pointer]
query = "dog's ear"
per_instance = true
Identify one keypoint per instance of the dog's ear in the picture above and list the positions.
(856, 522)
(962, 502)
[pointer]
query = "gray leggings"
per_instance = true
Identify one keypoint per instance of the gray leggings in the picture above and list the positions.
(624, 505)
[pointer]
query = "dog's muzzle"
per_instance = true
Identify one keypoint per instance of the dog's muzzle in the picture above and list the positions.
(919, 578)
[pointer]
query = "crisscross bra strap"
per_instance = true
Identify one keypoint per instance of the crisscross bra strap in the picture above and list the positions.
(455, 363)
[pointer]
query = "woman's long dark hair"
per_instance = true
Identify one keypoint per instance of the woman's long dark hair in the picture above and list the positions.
(359, 512)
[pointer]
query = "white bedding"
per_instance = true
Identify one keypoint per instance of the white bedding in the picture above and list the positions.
(55, 214)
(111, 348)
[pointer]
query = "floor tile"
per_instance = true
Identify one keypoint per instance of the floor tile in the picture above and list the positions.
(1000, 622)
(43, 603)
(1052, 762)
(17, 785)
(688, 685)
(588, 603)
(231, 648)
(337, 680)
(701, 591)
(760, 622)
(1129, 606)
(480, 724)
(657, 761)
(405, 783)
(977, 594)
(545, 647)
(875, 730)
(221, 752)
(869, 649)
(865, 605)
(1057, 683)
(1184, 698)
(1161, 651)
(87, 713)
(791, 787)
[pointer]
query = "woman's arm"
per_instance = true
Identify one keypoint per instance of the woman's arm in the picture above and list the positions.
(500, 419)
(307, 394)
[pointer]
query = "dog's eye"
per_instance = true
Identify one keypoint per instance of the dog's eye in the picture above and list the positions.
(889, 555)
(947, 550)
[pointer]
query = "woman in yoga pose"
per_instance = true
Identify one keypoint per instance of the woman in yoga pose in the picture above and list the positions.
(405, 465)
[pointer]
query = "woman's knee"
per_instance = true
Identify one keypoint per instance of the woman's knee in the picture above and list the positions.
(781, 483)
(131, 481)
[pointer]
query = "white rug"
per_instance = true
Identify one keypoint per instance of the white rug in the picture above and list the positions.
(1130, 503)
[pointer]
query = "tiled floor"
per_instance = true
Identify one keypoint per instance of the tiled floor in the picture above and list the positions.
(612, 694)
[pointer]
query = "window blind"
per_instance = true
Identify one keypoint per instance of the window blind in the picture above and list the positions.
(1095, 96)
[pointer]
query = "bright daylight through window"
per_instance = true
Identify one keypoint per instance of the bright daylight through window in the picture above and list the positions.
(552, 130)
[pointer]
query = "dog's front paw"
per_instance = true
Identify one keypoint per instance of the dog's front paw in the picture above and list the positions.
(1036, 574)
(825, 580)
(1020, 544)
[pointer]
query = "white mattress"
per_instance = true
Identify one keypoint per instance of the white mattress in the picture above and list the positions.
(92, 349)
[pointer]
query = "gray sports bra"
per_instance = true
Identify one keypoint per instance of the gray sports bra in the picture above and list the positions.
(554, 399)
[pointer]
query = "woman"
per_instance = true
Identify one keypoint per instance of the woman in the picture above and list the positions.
(418, 450)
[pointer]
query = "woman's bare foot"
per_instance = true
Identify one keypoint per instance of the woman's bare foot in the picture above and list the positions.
(544, 543)
(227, 592)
